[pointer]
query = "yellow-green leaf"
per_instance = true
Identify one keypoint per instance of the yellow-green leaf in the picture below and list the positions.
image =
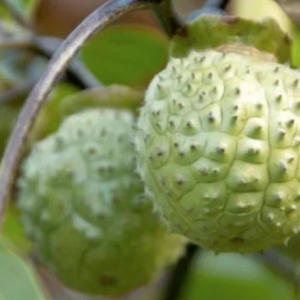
(129, 55)
(18, 280)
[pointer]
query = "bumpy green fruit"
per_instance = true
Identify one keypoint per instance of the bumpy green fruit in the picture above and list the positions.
(83, 206)
(218, 146)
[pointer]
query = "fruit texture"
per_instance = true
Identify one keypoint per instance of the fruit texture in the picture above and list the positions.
(218, 147)
(82, 205)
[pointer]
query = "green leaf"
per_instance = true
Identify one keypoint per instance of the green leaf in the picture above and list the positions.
(115, 96)
(24, 7)
(296, 49)
(232, 276)
(128, 55)
(17, 278)
(13, 229)
(265, 35)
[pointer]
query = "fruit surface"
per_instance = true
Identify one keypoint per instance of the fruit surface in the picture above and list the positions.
(218, 146)
(82, 205)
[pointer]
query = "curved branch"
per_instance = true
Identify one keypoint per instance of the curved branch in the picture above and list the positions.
(69, 48)
(221, 4)
(167, 17)
(180, 273)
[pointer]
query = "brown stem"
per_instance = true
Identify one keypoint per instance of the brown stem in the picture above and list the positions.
(168, 18)
(180, 274)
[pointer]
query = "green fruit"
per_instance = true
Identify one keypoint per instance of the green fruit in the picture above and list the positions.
(218, 147)
(82, 205)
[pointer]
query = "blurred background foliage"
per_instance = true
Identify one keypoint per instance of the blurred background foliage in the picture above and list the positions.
(135, 36)
(130, 52)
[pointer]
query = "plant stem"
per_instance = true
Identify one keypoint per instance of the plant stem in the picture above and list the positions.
(180, 273)
(221, 4)
(224, 4)
(168, 18)
(100, 18)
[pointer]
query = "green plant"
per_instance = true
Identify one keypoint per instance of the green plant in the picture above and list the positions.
(36, 179)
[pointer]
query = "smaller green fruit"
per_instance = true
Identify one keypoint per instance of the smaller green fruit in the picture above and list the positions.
(83, 206)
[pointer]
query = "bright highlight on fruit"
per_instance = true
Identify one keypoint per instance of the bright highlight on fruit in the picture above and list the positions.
(83, 207)
(218, 140)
